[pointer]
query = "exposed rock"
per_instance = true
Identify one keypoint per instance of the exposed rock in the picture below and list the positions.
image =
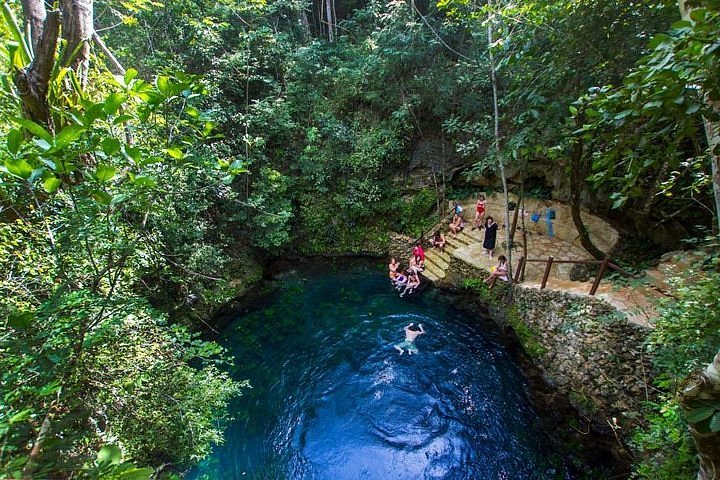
(430, 155)
(590, 353)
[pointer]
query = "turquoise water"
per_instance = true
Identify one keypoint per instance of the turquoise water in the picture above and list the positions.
(332, 399)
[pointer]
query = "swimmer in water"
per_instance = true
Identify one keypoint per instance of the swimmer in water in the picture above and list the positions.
(411, 333)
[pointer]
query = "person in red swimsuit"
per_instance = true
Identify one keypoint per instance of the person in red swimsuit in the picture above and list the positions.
(479, 212)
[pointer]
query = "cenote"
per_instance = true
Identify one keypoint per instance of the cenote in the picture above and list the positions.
(332, 399)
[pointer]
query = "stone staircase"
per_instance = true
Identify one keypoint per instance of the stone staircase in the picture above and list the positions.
(438, 261)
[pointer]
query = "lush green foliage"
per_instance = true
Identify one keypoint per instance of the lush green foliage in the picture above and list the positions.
(685, 338)
(146, 197)
(91, 205)
(648, 133)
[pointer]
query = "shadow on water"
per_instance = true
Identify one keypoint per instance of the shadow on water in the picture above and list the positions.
(332, 399)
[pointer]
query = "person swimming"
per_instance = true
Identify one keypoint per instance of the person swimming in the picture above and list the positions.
(411, 333)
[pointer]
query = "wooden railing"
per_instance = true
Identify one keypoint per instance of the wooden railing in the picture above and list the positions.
(550, 261)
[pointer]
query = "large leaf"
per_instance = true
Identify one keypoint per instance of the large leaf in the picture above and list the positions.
(175, 153)
(104, 173)
(68, 135)
(103, 198)
(113, 102)
(109, 455)
(14, 140)
(137, 474)
(18, 167)
(16, 33)
(34, 128)
(51, 184)
(699, 414)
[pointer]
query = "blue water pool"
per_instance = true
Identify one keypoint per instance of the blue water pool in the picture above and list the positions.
(332, 399)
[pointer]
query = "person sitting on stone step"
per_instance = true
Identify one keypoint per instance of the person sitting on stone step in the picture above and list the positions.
(438, 240)
(457, 225)
(412, 284)
(416, 265)
(500, 271)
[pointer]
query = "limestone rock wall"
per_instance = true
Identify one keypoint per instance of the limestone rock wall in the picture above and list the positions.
(584, 346)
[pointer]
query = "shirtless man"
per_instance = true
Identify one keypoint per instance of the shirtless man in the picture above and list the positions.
(411, 333)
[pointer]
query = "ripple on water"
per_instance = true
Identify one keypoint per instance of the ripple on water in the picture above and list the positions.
(345, 405)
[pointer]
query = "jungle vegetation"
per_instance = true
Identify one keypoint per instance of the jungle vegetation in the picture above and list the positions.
(155, 153)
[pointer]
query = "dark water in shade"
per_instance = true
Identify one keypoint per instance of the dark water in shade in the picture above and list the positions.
(332, 399)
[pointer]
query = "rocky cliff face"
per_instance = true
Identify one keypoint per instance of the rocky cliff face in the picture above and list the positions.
(585, 348)
(433, 163)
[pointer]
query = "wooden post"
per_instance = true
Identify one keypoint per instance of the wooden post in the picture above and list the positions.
(601, 272)
(525, 253)
(521, 266)
(547, 272)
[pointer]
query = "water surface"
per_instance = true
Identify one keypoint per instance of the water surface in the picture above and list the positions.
(332, 399)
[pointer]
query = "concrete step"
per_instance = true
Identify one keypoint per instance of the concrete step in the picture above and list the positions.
(476, 235)
(470, 238)
(430, 275)
(434, 271)
(439, 253)
(456, 242)
(437, 260)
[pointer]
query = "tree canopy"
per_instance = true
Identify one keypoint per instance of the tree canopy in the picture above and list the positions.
(156, 153)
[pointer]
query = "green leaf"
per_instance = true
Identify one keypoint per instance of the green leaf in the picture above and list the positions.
(699, 414)
(18, 167)
(698, 14)
(122, 119)
(619, 202)
(20, 320)
(658, 40)
(119, 198)
(103, 173)
(20, 416)
(94, 112)
(132, 153)
(680, 24)
(113, 102)
(175, 153)
(51, 184)
(144, 181)
(715, 422)
(208, 128)
(14, 140)
(130, 74)
(692, 109)
(137, 474)
(109, 455)
(110, 146)
(34, 128)
(103, 198)
(68, 135)
(163, 84)
(16, 32)
(49, 389)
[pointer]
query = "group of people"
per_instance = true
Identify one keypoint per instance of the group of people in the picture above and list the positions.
(408, 280)
(457, 224)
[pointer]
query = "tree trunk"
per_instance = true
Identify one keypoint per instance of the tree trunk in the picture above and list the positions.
(329, 9)
(32, 82)
(577, 177)
(77, 30)
(501, 166)
(35, 13)
(703, 389)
